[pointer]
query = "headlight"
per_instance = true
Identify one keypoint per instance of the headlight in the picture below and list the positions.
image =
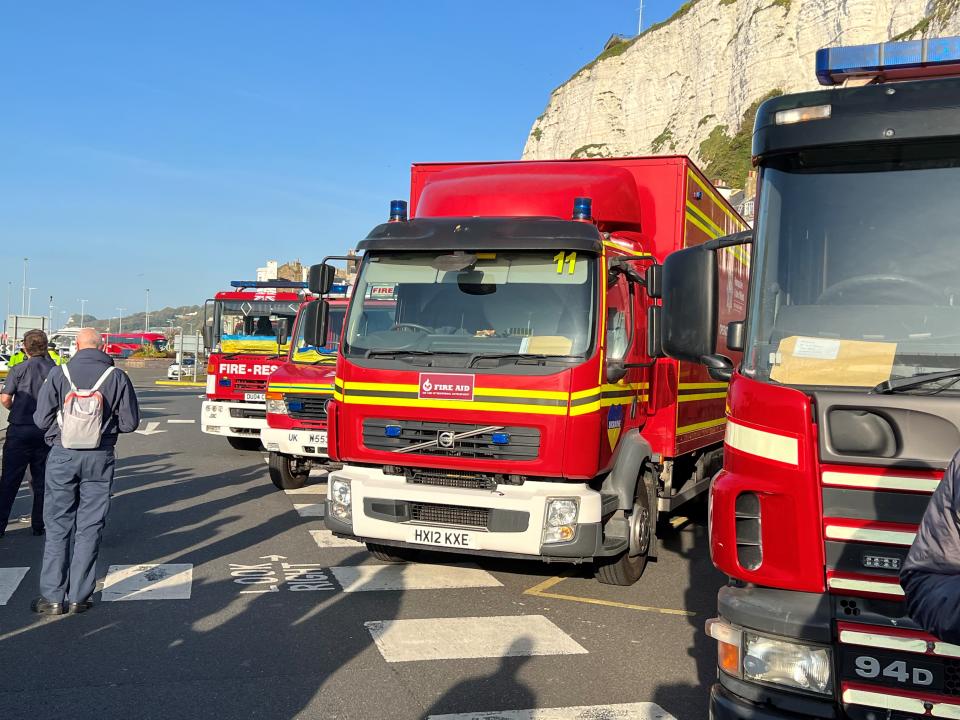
(277, 407)
(561, 512)
(785, 663)
(340, 492)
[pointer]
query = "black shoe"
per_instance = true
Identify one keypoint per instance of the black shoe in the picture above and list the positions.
(39, 531)
(75, 608)
(44, 607)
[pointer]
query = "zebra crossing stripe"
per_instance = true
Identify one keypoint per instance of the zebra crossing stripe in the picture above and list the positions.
(470, 637)
(626, 711)
(326, 539)
(10, 579)
(364, 578)
(309, 509)
(172, 581)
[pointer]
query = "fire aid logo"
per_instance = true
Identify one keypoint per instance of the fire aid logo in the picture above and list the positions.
(446, 386)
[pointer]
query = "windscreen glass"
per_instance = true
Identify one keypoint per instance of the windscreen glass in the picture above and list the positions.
(301, 352)
(857, 267)
(476, 304)
(251, 325)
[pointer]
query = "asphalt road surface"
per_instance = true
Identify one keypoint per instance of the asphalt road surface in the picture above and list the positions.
(221, 597)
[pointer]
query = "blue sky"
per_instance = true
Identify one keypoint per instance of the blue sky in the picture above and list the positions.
(176, 146)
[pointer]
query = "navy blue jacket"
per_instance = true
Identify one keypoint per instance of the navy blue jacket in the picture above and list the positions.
(24, 382)
(121, 412)
(931, 573)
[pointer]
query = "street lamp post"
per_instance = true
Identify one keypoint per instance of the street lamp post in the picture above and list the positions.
(83, 304)
(119, 319)
(23, 289)
(29, 298)
(146, 315)
(50, 316)
(9, 293)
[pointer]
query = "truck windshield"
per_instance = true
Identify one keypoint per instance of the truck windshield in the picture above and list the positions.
(485, 303)
(251, 325)
(301, 352)
(857, 267)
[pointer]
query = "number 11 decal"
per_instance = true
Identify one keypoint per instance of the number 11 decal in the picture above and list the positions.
(569, 258)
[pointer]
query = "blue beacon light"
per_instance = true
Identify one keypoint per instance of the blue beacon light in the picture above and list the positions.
(392, 431)
(582, 208)
(934, 56)
(500, 438)
(398, 211)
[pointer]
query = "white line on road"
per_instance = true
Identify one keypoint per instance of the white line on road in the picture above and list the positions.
(326, 539)
(309, 509)
(152, 428)
(626, 711)
(148, 582)
(318, 489)
(9, 582)
(361, 578)
(144, 407)
(181, 422)
(470, 637)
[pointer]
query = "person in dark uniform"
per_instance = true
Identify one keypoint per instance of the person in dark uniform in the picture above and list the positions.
(25, 446)
(78, 481)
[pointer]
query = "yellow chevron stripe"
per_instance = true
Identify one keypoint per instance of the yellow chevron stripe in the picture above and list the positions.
(717, 199)
(701, 396)
(703, 386)
(700, 426)
(705, 218)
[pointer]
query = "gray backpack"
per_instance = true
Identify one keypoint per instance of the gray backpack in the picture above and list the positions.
(81, 418)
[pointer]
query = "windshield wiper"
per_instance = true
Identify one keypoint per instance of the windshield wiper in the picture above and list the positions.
(520, 357)
(395, 353)
(888, 387)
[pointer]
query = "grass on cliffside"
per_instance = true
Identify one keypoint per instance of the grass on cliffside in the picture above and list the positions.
(941, 12)
(728, 157)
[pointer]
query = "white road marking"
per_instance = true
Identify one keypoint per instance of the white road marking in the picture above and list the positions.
(361, 578)
(9, 582)
(626, 711)
(181, 422)
(152, 428)
(144, 407)
(470, 637)
(309, 509)
(173, 581)
(326, 539)
(318, 489)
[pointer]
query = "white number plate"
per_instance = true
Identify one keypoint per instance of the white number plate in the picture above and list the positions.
(441, 537)
(318, 438)
(255, 397)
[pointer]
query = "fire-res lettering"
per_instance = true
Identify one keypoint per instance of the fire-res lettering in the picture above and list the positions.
(242, 369)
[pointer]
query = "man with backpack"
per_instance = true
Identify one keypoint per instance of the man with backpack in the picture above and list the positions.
(83, 406)
(25, 446)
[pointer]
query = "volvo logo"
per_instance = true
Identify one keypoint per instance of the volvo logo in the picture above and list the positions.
(446, 438)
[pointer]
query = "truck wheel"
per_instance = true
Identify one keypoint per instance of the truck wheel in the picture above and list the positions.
(627, 568)
(244, 443)
(390, 554)
(283, 475)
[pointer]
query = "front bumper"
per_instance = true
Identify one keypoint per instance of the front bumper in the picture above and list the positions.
(233, 419)
(384, 509)
(301, 443)
(724, 705)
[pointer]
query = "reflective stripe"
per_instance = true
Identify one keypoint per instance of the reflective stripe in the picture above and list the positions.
(739, 223)
(852, 696)
(701, 396)
(701, 426)
(863, 534)
(869, 586)
(627, 250)
(880, 482)
(702, 386)
(763, 444)
(889, 642)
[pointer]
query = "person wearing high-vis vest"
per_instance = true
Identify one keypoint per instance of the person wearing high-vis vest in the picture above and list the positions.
(80, 469)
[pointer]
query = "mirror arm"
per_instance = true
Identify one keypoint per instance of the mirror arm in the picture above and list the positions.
(623, 266)
(720, 367)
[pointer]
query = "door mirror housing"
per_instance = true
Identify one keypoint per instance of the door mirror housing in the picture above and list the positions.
(320, 278)
(208, 337)
(654, 320)
(654, 281)
(616, 371)
(316, 317)
(735, 338)
(689, 322)
(282, 334)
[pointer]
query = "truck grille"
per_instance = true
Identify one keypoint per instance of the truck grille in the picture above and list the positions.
(451, 478)
(449, 515)
(247, 385)
(248, 413)
(307, 407)
(524, 443)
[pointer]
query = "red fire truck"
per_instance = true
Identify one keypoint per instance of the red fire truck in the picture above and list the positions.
(843, 412)
(125, 344)
(245, 331)
(509, 405)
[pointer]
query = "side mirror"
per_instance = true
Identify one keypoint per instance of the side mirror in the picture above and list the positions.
(320, 278)
(208, 336)
(316, 317)
(282, 335)
(689, 321)
(654, 319)
(654, 281)
(735, 339)
(616, 371)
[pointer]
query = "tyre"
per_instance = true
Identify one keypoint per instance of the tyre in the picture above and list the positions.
(244, 443)
(283, 475)
(627, 568)
(390, 554)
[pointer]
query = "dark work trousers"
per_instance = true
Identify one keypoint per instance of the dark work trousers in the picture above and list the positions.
(24, 447)
(77, 500)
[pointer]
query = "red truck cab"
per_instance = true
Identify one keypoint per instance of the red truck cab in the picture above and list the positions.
(509, 404)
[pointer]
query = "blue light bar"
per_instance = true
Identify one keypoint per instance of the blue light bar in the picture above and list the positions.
(339, 289)
(267, 284)
(900, 60)
(392, 431)
(500, 438)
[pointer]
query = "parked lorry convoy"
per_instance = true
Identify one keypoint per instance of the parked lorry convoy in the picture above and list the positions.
(245, 333)
(510, 404)
(843, 413)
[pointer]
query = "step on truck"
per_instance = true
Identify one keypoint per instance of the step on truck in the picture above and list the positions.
(245, 333)
(844, 411)
(509, 405)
